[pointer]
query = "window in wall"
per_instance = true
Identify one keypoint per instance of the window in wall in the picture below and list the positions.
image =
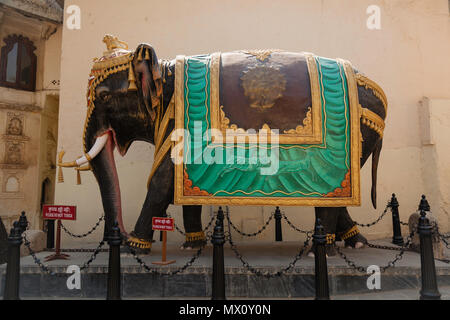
(18, 63)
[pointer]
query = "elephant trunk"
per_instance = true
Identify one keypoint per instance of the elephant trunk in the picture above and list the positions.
(104, 169)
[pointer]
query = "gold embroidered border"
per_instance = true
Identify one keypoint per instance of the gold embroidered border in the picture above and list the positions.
(179, 125)
(353, 231)
(221, 122)
(355, 135)
(331, 238)
(372, 120)
(195, 236)
(376, 89)
(261, 54)
(161, 149)
(139, 243)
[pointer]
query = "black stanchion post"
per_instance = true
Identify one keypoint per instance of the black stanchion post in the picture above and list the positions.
(397, 237)
(278, 230)
(114, 241)
(429, 289)
(50, 234)
(13, 264)
(321, 269)
(218, 276)
(23, 222)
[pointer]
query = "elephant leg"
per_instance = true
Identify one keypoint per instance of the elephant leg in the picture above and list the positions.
(192, 219)
(328, 218)
(159, 196)
(347, 230)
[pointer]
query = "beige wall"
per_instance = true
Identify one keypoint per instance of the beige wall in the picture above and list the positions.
(408, 57)
(39, 112)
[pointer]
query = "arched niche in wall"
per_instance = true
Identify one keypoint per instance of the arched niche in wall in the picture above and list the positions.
(12, 184)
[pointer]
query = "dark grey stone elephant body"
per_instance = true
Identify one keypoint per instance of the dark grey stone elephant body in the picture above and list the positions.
(126, 113)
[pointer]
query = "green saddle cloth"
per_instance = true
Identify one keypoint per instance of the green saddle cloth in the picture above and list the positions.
(243, 172)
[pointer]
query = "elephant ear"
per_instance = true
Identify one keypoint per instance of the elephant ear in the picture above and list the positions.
(148, 77)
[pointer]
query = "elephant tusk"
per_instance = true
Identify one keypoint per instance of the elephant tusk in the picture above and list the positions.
(98, 146)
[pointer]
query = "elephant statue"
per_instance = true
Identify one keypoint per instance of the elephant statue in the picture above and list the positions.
(129, 98)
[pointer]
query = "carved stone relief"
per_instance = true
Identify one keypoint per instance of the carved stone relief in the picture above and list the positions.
(14, 153)
(15, 127)
(14, 142)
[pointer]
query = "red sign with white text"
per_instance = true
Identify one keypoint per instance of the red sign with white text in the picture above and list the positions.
(162, 224)
(59, 212)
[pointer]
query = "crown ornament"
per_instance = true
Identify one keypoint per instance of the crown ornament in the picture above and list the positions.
(113, 44)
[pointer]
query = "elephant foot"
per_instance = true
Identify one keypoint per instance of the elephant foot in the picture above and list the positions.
(194, 240)
(329, 247)
(358, 241)
(353, 238)
(140, 246)
(193, 245)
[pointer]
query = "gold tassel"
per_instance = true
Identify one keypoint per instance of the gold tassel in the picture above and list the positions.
(140, 54)
(78, 177)
(361, 140)
(60, 175)
(131, 79)
(147, 55)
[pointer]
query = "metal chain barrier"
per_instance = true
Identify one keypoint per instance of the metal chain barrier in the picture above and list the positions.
(267, 274)
(388, 207)
(249, 234)
(184, 233)
(392, 263)
(247, 265)
(308, 233)
(384, 247)
(75, 250)
(444, 240)
(155, 271)
(47, 270)
(87, 233)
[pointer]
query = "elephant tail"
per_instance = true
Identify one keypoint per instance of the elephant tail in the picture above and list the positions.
(375, 157)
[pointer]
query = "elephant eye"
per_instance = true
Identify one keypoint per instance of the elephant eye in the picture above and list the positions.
(103, 94)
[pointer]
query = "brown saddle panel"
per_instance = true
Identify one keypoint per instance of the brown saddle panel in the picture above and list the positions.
(265, 87)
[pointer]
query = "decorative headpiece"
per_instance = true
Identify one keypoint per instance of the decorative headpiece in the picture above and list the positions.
(116, 58)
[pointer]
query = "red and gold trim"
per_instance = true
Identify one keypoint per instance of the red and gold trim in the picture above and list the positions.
(345, 191)
(189, 191)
